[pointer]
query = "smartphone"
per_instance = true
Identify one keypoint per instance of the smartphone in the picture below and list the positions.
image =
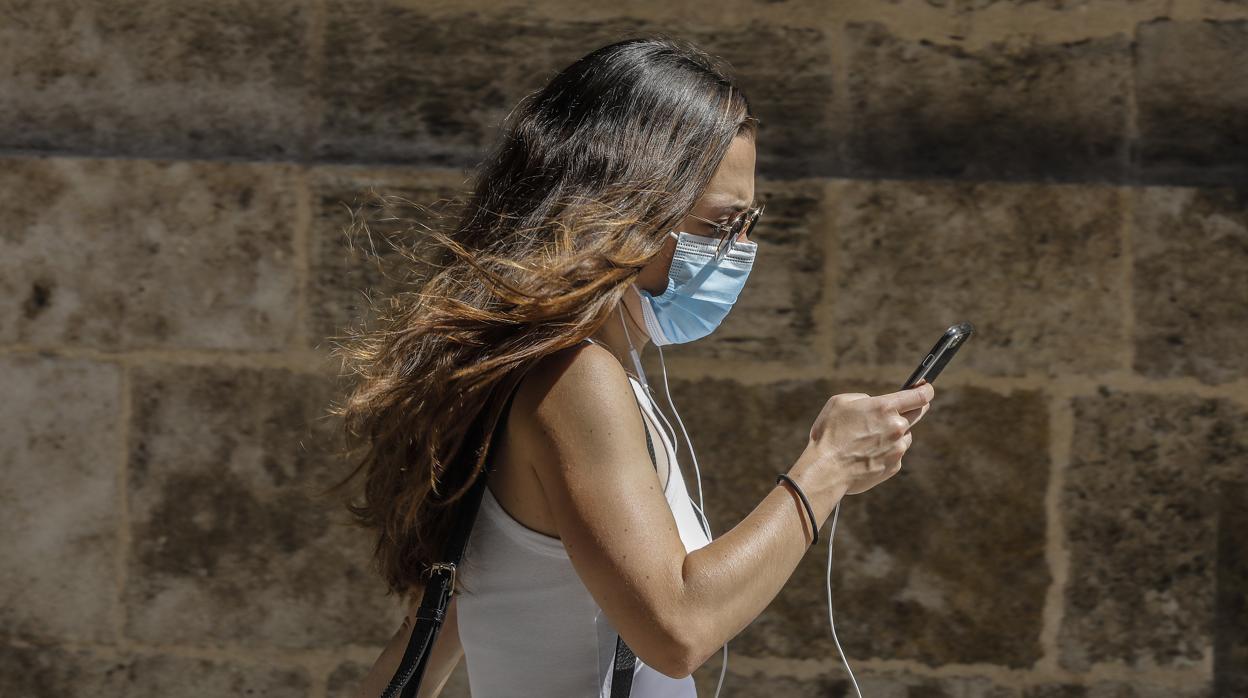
(945, 348)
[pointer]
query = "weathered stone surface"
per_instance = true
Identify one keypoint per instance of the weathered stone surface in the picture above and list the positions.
(134, 254)
(1117, 689)
(447, 112)
(1192, 96)
(891, 685)
(740, 685)
(1011, 8)
(1190, 289)
(942, 563)
(1230, 618)
(346, 679)
(58, 497)
(380, 106)
(1141, 501)
(774, 318)
(1015, 110)
(787, 74)
(896, 684)
(155, 78)
(887, 684)
(1036, 268)
(349, 675)
(37, 671)
(231, 545)
(348, 261)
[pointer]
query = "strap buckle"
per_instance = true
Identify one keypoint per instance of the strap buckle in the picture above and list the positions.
(445, 566)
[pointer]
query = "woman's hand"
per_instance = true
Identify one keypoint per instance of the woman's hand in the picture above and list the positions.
(859, 440)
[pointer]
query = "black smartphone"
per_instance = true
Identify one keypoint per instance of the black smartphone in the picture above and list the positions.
(945, 348)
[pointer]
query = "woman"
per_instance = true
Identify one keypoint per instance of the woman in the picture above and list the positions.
(616, 211)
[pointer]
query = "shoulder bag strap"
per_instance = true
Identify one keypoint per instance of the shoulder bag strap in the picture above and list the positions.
(432, 611)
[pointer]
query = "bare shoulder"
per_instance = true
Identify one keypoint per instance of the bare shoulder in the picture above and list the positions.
(582, 378)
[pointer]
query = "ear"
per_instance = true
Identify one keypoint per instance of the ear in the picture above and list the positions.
(653, 276)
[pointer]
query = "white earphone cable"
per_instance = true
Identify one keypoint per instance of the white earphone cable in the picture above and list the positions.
(723, 669)
(705, 523)
(831, 536)
(706, 528)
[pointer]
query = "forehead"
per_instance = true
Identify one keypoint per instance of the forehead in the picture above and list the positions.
(733, 183)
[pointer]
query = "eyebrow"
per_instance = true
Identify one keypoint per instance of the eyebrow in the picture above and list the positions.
(739, 205)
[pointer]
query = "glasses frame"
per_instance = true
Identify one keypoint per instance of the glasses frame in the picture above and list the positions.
(729, 232)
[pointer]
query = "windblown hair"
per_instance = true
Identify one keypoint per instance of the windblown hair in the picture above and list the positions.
(572, 201)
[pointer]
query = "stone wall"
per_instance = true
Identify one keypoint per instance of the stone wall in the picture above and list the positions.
(1070, 176)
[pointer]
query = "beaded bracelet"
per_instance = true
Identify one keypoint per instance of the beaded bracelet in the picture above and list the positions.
(809, 510)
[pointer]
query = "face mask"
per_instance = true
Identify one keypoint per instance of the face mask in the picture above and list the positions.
(700, 291)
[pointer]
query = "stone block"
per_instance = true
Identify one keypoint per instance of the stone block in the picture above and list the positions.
(836, 683)
(774, 319)
(232, 546)
(1117, 689)
(349, 675)
(943, 563)
(1230, 619)
(401, 87)
(58, 498)
(741, 685)
(1035, 267)
(156, 79)
(30, 671)
(346, 679)
(1190, 283)
(1192, 100)
(1004, 8)
(353, 256)
(787, 74)
(1015, 110)
(134, 254)
(1021, 110)
(1140, 505)
(878, 683)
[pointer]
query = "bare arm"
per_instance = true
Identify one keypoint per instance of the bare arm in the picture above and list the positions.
(443, 657)
(730, 581)
(580, 426)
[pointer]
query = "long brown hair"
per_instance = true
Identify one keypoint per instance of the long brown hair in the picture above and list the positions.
(575, 197)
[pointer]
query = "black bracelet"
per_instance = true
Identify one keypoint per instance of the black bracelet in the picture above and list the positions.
(809, 510)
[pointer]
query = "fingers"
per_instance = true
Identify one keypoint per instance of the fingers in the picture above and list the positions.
(909, 399)
(891, 443)
(915, 415)
(902, 445)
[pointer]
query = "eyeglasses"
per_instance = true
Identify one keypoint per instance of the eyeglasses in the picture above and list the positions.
(728, 232)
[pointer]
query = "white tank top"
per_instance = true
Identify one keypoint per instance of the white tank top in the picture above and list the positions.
(529, 627)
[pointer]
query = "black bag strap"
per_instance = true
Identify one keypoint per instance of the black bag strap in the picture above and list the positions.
(432, 611)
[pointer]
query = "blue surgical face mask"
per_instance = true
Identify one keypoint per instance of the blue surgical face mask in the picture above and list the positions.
(700, 290)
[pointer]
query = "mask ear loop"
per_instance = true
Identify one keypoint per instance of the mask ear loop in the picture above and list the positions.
(669, 432)
(705, 525)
